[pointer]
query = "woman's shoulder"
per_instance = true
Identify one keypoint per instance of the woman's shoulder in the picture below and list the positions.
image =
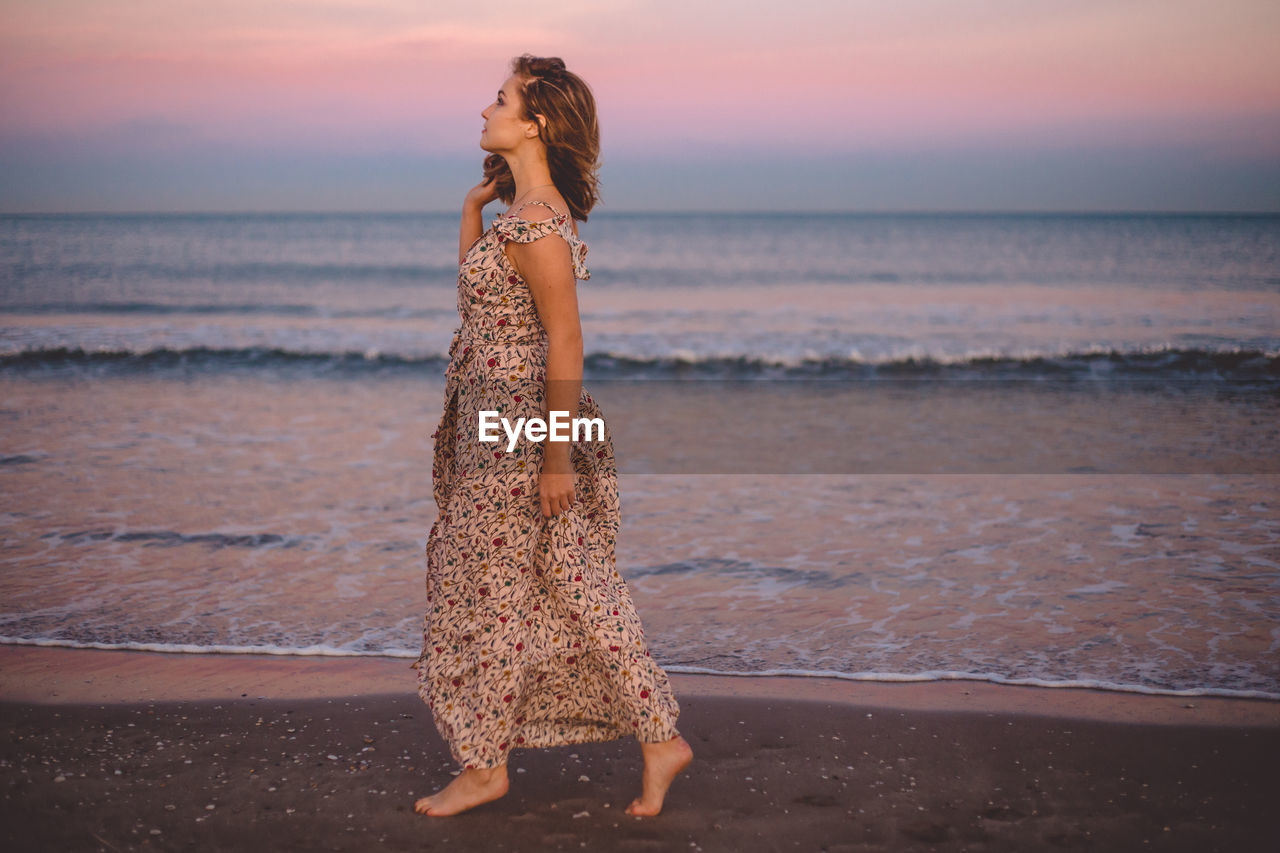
(549, 210)
(543, 218)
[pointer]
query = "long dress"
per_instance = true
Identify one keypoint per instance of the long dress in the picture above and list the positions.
(530, 637)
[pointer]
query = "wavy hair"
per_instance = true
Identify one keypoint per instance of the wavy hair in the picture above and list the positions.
(571, 134)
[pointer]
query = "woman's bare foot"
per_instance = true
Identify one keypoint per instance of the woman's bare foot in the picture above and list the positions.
(469, 789)
(662, 761)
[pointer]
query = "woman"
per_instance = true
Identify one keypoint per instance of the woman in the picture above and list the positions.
(530, 637)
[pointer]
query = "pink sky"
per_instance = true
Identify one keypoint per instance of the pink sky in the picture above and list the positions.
(800, 77)
(740, 74)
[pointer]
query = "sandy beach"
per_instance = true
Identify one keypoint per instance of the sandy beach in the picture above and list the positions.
(120, 750)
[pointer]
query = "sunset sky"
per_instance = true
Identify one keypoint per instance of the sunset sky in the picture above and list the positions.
(175, 105)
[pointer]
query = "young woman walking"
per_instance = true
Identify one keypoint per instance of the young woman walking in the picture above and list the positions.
(531, 638)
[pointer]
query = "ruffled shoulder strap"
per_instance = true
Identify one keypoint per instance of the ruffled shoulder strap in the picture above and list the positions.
(527, 230)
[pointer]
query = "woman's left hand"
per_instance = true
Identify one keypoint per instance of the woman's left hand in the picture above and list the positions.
(555, 486)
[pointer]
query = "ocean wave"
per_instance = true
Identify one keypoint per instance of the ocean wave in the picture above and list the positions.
(208, 359)
(893, 677)
(215, 272)
(216, 309)
(1157, 363)
(175, 538)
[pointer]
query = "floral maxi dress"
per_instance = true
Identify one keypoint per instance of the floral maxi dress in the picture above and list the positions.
(530, 637)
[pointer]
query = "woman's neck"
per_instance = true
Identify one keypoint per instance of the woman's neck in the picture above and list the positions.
(529, 172)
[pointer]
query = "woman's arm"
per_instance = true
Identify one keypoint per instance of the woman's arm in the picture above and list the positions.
(472, 215)
(471, 228)
(547, 266)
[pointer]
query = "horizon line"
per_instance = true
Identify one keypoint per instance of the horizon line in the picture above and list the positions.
(688, 212)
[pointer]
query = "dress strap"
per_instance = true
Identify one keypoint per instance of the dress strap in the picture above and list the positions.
(544, 204)
(511, 227)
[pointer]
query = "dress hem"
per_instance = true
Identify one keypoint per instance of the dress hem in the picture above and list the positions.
(582, 737)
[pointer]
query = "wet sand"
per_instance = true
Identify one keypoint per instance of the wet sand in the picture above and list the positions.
(116, 750)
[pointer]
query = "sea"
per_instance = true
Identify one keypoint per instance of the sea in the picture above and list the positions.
(1036, 449)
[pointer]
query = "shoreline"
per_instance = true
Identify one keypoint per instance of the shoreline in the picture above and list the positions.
(44, 675)
(132, 750)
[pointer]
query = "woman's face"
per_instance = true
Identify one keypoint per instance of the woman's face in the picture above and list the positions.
(504, 122)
